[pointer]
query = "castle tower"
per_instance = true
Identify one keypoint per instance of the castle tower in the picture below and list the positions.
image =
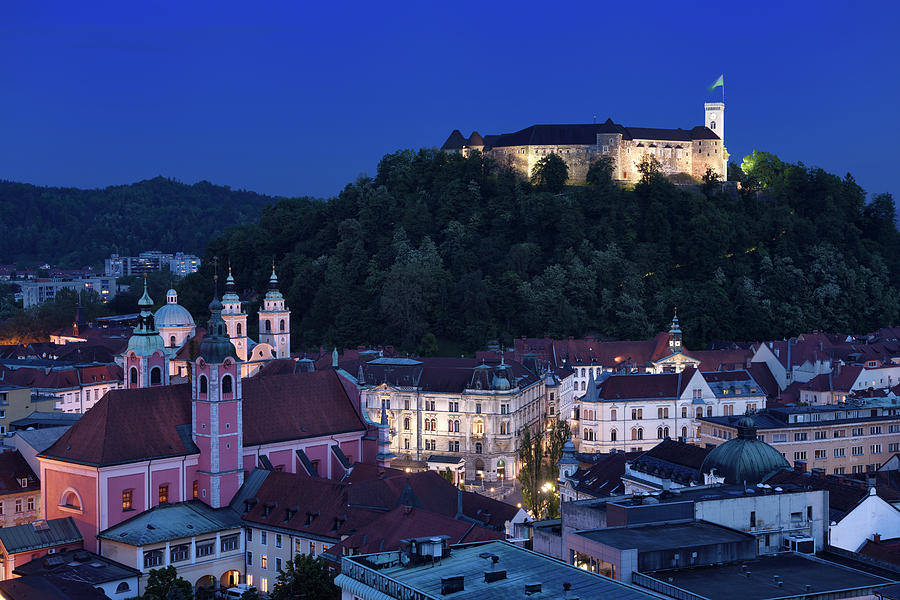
(675, 332)
(715, 120)
(216, 410)
(145, 361)
(568, 464)
(235, 318)
(275, 320)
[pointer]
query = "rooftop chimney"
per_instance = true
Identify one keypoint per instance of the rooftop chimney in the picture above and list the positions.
(800, 466)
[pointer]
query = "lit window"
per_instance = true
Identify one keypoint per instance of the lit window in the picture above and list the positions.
(163, 493)
(263, 561)
(126, 499)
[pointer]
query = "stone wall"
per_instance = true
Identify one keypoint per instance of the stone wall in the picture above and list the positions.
(708, 154)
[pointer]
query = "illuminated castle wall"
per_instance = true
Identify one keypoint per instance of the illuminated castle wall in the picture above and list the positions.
(690, 151)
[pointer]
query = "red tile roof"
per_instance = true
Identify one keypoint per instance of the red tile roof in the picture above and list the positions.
(134, 425)
(722, 360)
(884, 550)
(591, 351)
(386, 531)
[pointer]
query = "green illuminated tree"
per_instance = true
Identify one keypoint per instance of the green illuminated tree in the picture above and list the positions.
(551, 173)
(305, 577)
(165, 584)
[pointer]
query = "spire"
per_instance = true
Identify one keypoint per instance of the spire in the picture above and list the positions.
(216, 346)
(273, 292)
(675, 333)
(145, 300)
(230, 289)
(675, 327)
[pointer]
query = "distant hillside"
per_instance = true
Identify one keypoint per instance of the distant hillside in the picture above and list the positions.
(437, 246)
(71, 228)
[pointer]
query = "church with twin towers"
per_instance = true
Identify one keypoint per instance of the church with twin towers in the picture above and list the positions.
(692, 152)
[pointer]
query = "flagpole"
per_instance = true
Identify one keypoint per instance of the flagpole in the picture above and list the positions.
(723, 89)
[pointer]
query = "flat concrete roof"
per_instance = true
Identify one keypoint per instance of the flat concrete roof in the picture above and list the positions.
(666, 536)
(729, 582)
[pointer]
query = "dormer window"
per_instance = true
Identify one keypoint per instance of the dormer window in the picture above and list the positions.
(23, 482)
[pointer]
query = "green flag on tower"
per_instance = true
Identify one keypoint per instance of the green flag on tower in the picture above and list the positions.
(720, 82)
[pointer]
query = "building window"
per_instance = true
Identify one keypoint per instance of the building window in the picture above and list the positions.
(133, 376)
(839, 452)
(268, 325)
(406, 423)
(281, 325)
(206, 548)
(264, 585)
(164, 493)
(800, 437)
(239, 330)
(478, 408)
(278, 540)
(226, 384)
(249, 534)
(478, 447)
(857, 431)
(263, 561)
(263, 537)
(684, 412)
(249, 559)
(196, 489)
(874, 430)
(153, 558)
(155, 376)
(230, 543)
(856, 450)
(821, 454)
(203, 385)
(126, 499)
(612, 435)
(821, 435)
(699, 413)
(799, 455)
(709, 411)
(612, 415)
(18, 505)
(876, 448)
(179, 553)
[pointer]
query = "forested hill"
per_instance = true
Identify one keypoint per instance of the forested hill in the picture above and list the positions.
(439, 245)
(71, 228)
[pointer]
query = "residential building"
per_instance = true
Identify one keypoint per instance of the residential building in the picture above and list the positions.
(20, 544)
(205, 544)
(32, 441)
(41, 290)
(76, 388)
(633, 412)
(115, 580)
(855, 436)
(49, 587)
(20, 491)
(178, 263)
(668, 465)
(495, 569)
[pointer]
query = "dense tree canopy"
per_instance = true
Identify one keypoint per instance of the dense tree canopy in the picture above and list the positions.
(466, 251)
(72, 228)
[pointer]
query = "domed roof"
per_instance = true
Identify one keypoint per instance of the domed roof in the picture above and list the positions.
(145, 344)
(744, 459)
(216, 346)
(501, 383)
(172, 314)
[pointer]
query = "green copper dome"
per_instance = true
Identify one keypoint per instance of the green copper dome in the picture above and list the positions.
(145, 340)
(744, 459)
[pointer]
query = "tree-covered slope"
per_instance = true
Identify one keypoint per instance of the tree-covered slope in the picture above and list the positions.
(454, 247)
(72, 227)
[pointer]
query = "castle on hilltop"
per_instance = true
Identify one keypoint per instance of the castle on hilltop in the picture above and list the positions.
(690, 151)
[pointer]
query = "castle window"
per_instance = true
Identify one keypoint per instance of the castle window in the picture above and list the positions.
(712, 124)
(226, 384)
(132, 376)
(203, 384)
(155, 376)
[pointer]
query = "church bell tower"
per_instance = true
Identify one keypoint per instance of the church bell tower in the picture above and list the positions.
(275, 320)
(235, 318)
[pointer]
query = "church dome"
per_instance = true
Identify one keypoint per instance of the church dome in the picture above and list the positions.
(173, 314)
(145, 344)
(744, 459)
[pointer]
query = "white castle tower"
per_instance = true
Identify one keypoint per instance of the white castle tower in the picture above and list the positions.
(715, 120)
(275, 320)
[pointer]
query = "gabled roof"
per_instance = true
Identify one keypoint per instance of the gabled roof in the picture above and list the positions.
(840, 379)
(49, 587)
(171, 522)
(39, 534)
(13, 469)
(604, 477)
(403, 522)
(78, 565)
(844, 493)
(645, 386)
(139, 424)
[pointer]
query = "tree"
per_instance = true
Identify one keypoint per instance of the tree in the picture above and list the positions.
(551, 173)
(305, 577)
(650, 168)
(531, 471)
(601, 171)
(165, 584)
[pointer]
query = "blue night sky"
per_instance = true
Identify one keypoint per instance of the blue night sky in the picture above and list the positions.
(299, 98)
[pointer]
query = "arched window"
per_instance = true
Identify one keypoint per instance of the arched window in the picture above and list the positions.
(281, 325)
(582, 374)
(226, 384)
(155, 376)
(456, 426)
(659, 433)
(434, 424)
(583, 386)
(612, 415)
(239, 329)
(268, 325)
(132, 376)
(709, 411)
(612, 435)
(406, 423)
(640, 433)
(634, 433)
(665, 432)
(684, 432)
(479, 428)
(172, 344)
(699, 412)
(204, 388)
(122, 588)
(71, 499)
